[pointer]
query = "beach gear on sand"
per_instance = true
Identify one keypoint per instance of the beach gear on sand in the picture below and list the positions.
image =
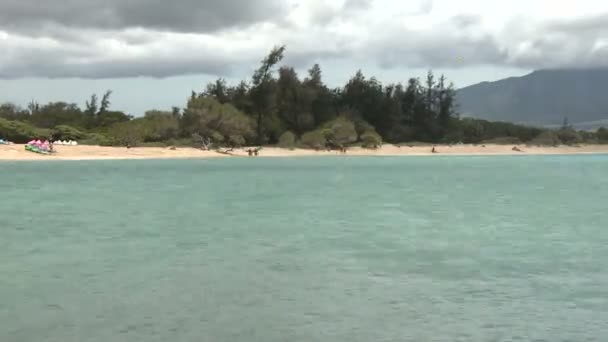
(39, 147)
(66, 143)
(36, 149)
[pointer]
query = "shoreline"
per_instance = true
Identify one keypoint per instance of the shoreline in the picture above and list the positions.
(17, 152)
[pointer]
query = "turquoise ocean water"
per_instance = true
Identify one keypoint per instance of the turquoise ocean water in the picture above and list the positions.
(308, 249)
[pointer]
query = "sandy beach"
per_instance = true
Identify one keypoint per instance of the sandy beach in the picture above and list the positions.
(18, 152)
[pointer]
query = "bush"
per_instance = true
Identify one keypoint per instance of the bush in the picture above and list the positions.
(371, 139)
(21, 132)
(65, 132)
(340, 131)
(453, 137)
(362, 126)
(236, 140)
(547, 138)
(314, 139)
(503, 141)
(158, 126)
(129, 133)
(287, 140)
(184, 142)
(602, 135)
(96, 139)
(569, 136)
(216, 121)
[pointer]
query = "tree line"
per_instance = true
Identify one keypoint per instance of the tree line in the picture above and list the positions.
(278, 106)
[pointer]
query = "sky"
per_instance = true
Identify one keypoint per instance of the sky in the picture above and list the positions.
(153, 53)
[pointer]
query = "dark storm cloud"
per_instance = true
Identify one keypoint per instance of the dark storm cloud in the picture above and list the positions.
(104, 57)
(171, 15)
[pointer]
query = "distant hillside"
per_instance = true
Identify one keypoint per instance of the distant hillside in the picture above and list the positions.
(543, 97)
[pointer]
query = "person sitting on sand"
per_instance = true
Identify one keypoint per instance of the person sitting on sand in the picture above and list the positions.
(434, 150)
(516, 149)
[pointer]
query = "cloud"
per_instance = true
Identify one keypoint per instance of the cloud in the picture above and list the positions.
(563, 43)
(174, 15)
(464, 40)
(121, 54)
(454, 43)
(426, 7)
(111, 38)
(594, 24)
(465, 21)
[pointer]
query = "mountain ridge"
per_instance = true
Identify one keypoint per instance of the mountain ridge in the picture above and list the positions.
(541, 98)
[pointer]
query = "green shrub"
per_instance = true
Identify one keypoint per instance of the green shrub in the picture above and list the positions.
(222, 123)
(236, 140)
(569, 136)
(314, 139)
(547, 138)
(287, 140)
(602, 135)
(21, 132)
(362, 126)
(340, 131)
(184, 142)
(97, 139)
(453, 137)
(371, 139)
(65, 132)
(129, 133)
